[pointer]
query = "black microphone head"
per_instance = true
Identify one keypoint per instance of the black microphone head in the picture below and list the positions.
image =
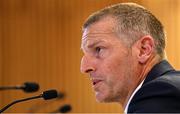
(49, 94)
(65, 108)
(30, 87)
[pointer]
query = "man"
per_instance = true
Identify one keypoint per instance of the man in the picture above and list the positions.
(123, 48)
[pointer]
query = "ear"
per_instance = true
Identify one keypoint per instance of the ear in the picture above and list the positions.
(146, 46)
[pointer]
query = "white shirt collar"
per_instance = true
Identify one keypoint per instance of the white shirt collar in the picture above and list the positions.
(127, 105)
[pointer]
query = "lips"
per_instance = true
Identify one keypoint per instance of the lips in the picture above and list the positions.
(95, 81)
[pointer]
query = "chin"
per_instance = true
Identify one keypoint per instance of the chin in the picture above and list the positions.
(102, 98)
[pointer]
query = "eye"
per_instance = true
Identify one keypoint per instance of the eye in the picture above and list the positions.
(98, 49)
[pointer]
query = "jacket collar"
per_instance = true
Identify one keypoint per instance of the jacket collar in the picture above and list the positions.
(158, 70)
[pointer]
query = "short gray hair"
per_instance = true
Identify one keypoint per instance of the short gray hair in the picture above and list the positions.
(133, 21)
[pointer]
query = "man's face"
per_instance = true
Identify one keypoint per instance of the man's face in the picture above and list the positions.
(107, 61)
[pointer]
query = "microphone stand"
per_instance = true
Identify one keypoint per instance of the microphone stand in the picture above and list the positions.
(17, 101)
(5, 88)
(46, 95)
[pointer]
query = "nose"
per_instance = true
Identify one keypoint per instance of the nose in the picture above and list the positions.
(86, 65)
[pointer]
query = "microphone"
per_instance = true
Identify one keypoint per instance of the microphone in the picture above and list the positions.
(26, 87)
(46, 95)
(42, 104)
(63, 109)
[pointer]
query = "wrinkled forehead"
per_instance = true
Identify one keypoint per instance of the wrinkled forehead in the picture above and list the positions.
(95, 38)
(95, 34)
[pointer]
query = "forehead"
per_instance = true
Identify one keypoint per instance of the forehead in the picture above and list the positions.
(103, 26)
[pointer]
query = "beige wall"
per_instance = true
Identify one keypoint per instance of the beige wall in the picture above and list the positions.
(40, 41)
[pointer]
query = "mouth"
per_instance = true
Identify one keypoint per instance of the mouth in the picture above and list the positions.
(95, 81)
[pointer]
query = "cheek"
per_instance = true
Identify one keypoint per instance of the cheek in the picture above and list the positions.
(118, 71)
(115, 67)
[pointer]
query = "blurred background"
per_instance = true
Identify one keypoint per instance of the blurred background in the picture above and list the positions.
(40, 42)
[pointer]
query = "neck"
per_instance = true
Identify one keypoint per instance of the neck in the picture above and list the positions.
(145, 68)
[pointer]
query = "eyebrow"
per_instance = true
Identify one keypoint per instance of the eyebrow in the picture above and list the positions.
(91, 44)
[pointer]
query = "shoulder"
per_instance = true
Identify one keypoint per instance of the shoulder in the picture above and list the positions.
(165, 82)
(162, 84)
(159, 95)
(172, 79)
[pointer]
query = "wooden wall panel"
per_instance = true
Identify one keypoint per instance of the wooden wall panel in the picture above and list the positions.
(1, 62)
(40, 41)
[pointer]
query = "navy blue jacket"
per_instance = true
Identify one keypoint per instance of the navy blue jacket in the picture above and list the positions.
(160, 92)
